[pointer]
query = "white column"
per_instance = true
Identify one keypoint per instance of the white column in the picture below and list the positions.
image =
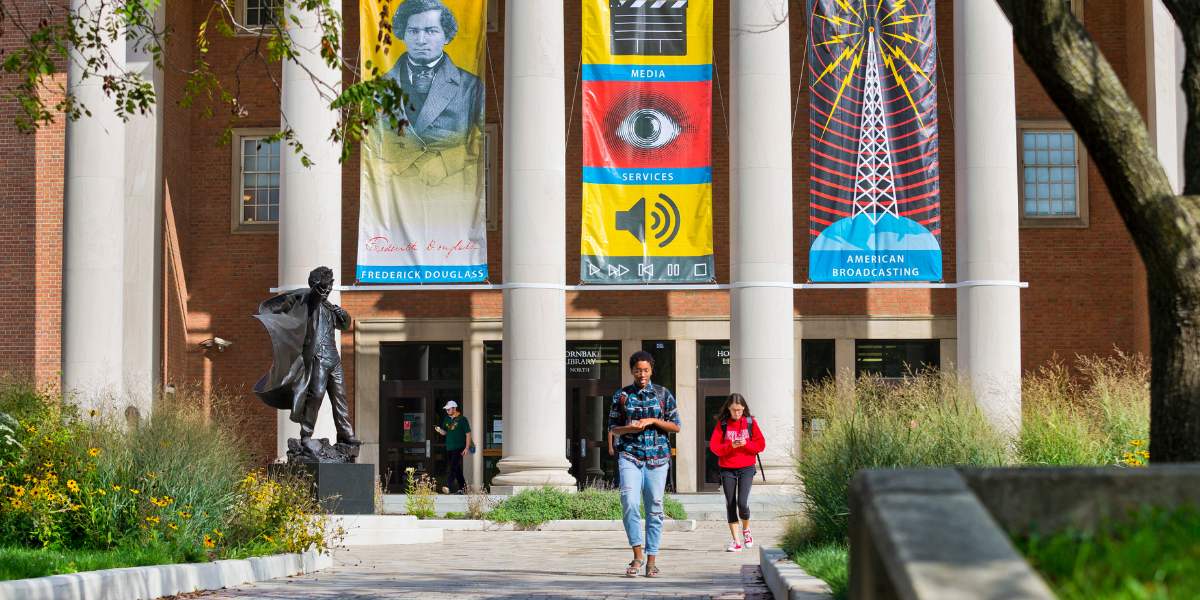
(1163, 90)
(989, 317)
(760, 216)
(473, 366)
(686, 444)
(141, 352)
(534, 252)
(93, 236)
(310, 206)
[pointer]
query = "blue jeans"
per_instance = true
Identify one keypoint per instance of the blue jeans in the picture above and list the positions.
(640, 484)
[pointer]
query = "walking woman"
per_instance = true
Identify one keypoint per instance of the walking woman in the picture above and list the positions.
(736, 441)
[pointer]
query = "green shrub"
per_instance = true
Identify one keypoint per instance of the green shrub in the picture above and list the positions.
(175, 484)
(1094, 414)
(532, 507)
(927, 421)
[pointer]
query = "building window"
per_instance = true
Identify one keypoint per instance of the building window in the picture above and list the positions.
(255, 180)
(1052, 173)
(491, 175)
(257, 14)
(493, 15)
(896, 359)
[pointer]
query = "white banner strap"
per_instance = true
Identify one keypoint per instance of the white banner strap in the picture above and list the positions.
(666, 287)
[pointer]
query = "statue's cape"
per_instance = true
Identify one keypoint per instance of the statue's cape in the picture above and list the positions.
(286, 318)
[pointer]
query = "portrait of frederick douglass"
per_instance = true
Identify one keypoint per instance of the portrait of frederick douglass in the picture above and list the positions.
(443, 102)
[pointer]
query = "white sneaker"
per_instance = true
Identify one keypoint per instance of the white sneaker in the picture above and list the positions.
(734, 547)
(748, 539)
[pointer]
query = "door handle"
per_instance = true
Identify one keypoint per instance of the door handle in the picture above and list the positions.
(582, 447)
(428, 449)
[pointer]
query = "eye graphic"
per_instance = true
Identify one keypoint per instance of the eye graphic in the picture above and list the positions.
(648, 128)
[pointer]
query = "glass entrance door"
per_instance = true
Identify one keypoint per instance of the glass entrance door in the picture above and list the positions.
(712, 394)
(593, 378)
(417, 380)
(587, 428)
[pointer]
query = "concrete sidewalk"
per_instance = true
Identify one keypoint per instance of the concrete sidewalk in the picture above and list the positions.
(512, 565)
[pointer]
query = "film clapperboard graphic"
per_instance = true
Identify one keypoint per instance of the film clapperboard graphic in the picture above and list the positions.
(648, 27)
(647, 142)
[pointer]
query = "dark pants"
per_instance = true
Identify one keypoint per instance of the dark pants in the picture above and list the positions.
(736, 485)
(454, 469)
(327, 377)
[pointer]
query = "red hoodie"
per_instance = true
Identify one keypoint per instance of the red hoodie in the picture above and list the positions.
(736, 458)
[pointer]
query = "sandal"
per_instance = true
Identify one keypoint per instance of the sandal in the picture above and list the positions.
(651, 570)
(632, 569)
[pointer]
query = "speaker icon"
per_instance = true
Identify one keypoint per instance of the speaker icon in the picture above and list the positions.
(665, 220)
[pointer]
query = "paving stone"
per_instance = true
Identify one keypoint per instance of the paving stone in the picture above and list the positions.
(530, 565)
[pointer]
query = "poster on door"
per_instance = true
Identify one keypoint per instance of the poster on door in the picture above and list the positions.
(647, 141)
(422, 213)
(875, 198)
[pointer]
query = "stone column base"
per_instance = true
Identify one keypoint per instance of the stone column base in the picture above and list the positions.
(534, 471)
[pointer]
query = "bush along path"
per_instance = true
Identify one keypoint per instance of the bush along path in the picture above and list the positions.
(530, 508)
(1094, 414)
(79, 490)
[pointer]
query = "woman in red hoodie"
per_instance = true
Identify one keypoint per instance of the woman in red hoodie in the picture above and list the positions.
(736, 441)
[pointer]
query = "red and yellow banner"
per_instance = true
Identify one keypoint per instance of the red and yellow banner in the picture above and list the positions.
(647, 141)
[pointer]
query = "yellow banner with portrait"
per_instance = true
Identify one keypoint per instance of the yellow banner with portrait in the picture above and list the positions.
(422, 215)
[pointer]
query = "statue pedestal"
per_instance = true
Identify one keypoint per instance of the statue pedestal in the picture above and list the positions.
(341, 488)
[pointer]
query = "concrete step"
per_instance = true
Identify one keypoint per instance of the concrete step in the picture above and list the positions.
(700, 507)
(379, 530)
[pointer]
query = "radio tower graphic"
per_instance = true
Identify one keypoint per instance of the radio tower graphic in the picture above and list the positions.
(874, 188)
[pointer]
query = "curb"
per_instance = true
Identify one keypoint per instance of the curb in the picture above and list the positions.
(144, 583)
(559, 525)
(787, 580)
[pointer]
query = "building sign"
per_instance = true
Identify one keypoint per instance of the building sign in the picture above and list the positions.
(875, 204)
(422, 210)
(647, 141)
(593, 360)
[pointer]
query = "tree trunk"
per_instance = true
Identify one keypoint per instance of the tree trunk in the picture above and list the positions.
(1165, 228)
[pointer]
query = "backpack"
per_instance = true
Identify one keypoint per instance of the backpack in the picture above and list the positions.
(750, 428)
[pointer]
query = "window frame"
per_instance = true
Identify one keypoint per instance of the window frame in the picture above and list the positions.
(244, 29)
(492, 196)
(235, 182)
(493, 15)
(1080, 219)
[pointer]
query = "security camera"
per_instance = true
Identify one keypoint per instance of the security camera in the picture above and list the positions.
(221, 343)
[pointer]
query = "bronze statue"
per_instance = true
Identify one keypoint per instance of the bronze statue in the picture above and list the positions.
(302, 325)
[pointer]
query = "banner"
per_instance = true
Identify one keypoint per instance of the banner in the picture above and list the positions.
(875, 203)
(647, 141)
(422, 208)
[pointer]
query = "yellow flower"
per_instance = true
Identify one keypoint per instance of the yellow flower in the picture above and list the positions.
(1138, 442)
(1126, 456)
(165, 444)
(93, 413)
(71, 485)
(48, 465)
(208, 542)
(47, 440)
(187, 505)
(100, 491)
(15, 503)
(151, 475)
(168, 499)
(172, 526)
(133, 491)
(116, 488)
(18, 490)
(268, 538)
(219, 534)
(94, 451)
(152, 520)
(1144, 453)
(184, 515)
(31, 429)
(76, 507)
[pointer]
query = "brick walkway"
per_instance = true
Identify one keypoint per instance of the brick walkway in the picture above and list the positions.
(513, 565)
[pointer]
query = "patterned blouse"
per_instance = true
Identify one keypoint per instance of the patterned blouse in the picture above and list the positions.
(652, 446)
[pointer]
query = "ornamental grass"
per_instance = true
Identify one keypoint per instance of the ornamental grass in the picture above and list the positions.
(1096, 412)
(176, 484)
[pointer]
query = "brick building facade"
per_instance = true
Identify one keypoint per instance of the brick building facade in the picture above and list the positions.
(1086, 294)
